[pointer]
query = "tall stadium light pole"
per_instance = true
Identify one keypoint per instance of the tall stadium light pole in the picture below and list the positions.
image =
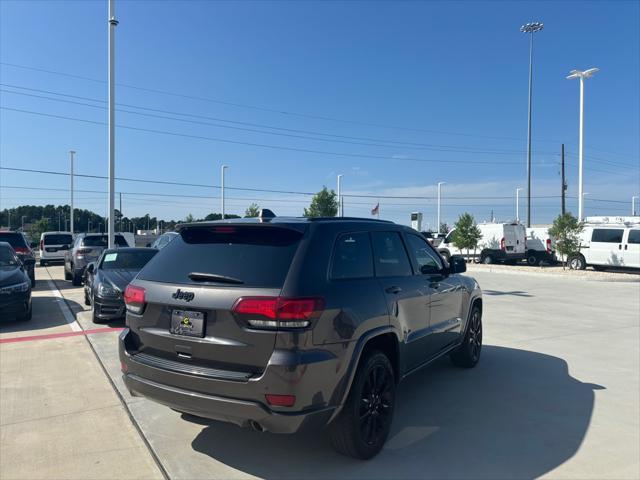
(71, 154)
(530, 28)
(581, 75)
(633, 204)
(518, 204)
(112, 119)
(224, 167)
(340, 212)
(439, 188)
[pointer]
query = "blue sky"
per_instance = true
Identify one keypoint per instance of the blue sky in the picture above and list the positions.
(396, 96)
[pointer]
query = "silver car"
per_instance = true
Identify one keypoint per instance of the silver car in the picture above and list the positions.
(86, 248)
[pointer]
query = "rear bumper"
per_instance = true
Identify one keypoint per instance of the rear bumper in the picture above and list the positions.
(242, 402)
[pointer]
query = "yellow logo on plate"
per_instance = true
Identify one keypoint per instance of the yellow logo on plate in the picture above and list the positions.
(186, 322)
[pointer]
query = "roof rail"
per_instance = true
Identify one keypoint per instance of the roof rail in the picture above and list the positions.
(339, 219)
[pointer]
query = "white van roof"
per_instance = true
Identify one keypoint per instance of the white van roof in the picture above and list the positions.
(617, 220)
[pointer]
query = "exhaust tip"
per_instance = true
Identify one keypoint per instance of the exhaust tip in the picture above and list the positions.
(256, 426)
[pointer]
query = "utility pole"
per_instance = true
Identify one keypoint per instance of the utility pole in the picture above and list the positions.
(120, 220)
(564, 184)
(633, 205)
(339, 196)
(439, 187)
(518, 204)
(112, 119)
(71, 154)
(224, 167)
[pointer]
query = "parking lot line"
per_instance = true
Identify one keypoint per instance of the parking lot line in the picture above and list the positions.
(48, 336)
(68, 315)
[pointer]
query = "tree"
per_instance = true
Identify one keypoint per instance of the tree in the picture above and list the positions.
(566, 230)
(252, 211)
(466, 234)
(189, 218)
(444, 228)
(323, 204)
(38, 228)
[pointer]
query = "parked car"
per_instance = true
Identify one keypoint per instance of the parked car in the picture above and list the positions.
(541, 247)
(15, 285)
(87, 248)
(53, 246)
(500, 242)
(23, 250)
(285, 324)
(608, 242)
(163, 240)
(106, 279)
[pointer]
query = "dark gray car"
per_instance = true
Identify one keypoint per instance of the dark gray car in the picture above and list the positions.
(106, 279)
(284, 324)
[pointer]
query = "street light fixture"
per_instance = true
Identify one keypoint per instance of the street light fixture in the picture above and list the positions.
(518, 203)
(439, 186)
(224, 167)
(581, 75)
(530, 28)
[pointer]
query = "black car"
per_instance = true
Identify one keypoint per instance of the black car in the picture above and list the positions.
(106, 279)
(285, 324)
(21, 246)
(15, 285)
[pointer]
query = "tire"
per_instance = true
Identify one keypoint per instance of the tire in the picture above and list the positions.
(33, 280)
(487, 260)
(87, 300)
(363, 425)
(467, 354)
(43, 263)
(28, 315)
(532, 259)
(67, 275)
(577, 262)
(94, 316)
(76, 279)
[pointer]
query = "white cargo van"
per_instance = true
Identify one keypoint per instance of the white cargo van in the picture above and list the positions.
(608, 242)
(541, 247)
(53, 246)
(500, 242)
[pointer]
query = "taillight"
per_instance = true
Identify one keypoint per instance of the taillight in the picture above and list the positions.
(502, 247)
(548, 245)
(134, 298)
(278, 312)
(41, 244)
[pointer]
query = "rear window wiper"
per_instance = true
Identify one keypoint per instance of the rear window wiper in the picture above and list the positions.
(212, 277)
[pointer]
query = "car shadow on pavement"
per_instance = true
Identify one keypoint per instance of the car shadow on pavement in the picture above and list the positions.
(46, 314)
(515, 293)
(518, 414)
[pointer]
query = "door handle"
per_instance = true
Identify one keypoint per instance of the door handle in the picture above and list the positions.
(625, 247)
(395, 289)
(619, 246)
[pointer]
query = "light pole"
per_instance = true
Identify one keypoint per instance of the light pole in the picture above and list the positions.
(439, 187)
(339, 196)
(530, 28)
(112, 119)
(518, 204)
(224, 167)
(584, 194)
(71, 154)
(23, 217)
(581, 75)
(633, 204)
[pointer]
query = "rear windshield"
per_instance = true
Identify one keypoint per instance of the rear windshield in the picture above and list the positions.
(12, 238)
(101, 241)
(58, 239)
(126, 260)
(7, 258)
(257, 256)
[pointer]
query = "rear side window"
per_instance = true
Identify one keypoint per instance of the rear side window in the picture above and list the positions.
(390, 256)
(127, 260)
(607, 235)
(58, 239)
(13, 239)
(102, 240)
(352, 257)
(634, 236)
(257, 256)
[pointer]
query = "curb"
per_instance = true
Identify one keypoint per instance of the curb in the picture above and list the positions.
(625, 277)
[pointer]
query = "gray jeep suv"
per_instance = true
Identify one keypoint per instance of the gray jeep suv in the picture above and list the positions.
(283, 324)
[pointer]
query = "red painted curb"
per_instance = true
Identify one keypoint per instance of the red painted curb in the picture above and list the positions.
(48, 336)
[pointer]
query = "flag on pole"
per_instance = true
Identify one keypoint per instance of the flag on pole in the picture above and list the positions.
(376, 209)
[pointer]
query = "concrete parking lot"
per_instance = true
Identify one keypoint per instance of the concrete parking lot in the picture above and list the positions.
(556, 395)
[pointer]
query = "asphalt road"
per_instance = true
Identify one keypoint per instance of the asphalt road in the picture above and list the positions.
(556, 394)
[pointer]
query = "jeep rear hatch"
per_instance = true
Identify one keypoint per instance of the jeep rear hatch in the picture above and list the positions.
(191, 294)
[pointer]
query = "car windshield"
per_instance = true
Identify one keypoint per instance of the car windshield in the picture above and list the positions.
(7, 258)
(114, 260)
(14, 239)
(101, 241)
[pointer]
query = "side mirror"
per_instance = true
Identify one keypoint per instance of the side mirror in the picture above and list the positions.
(91, 267)
(457, 264)
(148, 245)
